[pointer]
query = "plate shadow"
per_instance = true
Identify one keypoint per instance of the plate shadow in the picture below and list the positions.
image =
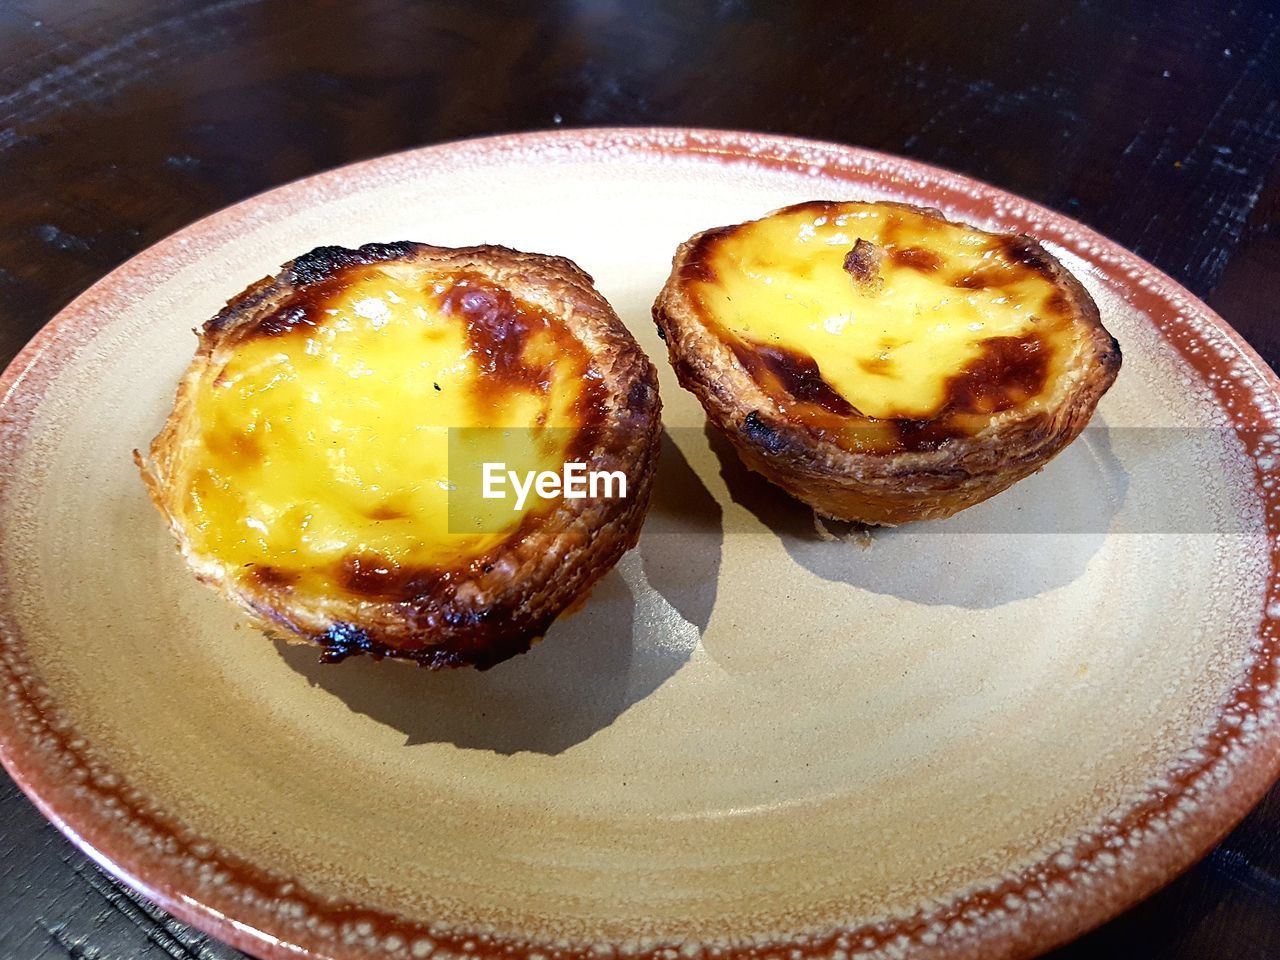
(638, 626)
(1043, 531)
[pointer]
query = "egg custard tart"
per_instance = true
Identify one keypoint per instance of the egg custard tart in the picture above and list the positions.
(305, 469)
(880, 362)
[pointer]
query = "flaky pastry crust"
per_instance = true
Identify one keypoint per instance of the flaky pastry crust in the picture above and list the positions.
(490, 609)
(884, 488)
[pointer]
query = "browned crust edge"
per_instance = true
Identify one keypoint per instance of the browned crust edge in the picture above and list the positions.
(484, 615)
(883, 489)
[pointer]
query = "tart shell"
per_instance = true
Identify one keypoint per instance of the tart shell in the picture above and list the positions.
(495, 606)
(883, 488)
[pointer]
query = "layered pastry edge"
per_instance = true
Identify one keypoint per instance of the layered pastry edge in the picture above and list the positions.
(935, 473)
(496, 603)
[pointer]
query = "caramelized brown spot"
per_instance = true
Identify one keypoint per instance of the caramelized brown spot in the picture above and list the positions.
(234, 445)
(498, 329)
(286, 320)
(370, 575)
(794, 372)
(696, 267)
(375, 577)
(1007, 372)
(815, 208)
(877, 366)
(985, 279)
(891, 228)
(863, 263)
(697, 270)
(303, 310)
(916, 258)
(1025, 251)
(272, 577)
(386, 511)
(917, 435)
(1058, 303)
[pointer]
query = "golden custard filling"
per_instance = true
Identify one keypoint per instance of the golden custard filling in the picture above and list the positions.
(883, 327)
(320, 456)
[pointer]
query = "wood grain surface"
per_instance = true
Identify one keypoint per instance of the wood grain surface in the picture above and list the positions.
(1157, 124)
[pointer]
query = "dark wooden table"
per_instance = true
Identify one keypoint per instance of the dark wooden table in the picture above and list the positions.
(1158, 124)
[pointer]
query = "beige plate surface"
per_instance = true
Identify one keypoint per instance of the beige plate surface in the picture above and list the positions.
(970, 739)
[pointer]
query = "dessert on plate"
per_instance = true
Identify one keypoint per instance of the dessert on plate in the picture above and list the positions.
(305, 468)
(880, 362)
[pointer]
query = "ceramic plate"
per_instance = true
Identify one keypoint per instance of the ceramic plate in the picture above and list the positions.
(974, 738)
